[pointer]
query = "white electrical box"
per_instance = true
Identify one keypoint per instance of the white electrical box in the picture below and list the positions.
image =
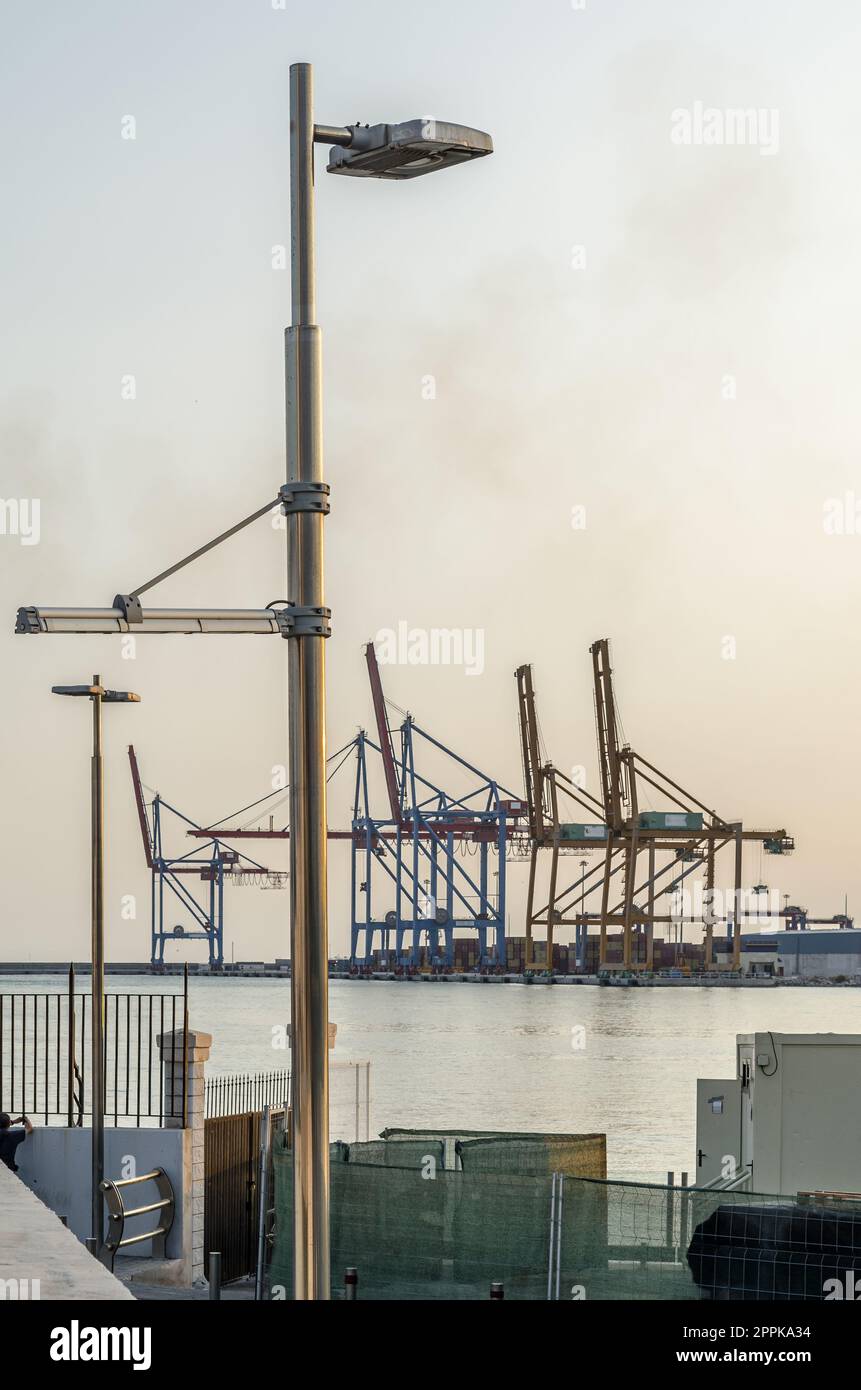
(792, 1114)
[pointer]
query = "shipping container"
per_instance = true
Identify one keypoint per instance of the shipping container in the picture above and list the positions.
(671, 820)
(575, 831)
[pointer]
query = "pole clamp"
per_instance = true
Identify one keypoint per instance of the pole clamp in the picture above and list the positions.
(304, 497)
(296, 621)
(130, 606)
(28, 620)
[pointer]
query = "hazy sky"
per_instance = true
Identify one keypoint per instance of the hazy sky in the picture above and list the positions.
(664, 334)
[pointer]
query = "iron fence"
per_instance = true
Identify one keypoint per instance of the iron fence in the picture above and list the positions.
(45, 1041)
(349, 1096)
(247, 1091)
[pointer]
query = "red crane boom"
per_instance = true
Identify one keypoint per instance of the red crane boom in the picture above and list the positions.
(141, 805)
(384, 734)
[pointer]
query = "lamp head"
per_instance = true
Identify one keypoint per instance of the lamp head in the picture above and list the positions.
(407, 150)
(108, 697)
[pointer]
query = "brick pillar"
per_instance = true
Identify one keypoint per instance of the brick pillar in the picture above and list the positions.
(191, 1048)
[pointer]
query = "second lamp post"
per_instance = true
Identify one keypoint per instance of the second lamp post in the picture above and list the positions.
(98, 696)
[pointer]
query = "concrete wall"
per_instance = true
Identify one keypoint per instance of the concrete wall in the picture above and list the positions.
(37, 1248)
(55, 1163)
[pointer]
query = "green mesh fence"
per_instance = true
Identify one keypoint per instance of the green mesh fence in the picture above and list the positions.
(420, 1232)
(576, 1155)
(411, 1153)
(416, 1230)
(509, 1151)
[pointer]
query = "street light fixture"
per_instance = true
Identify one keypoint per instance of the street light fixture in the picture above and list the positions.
(97, 694)
(403, 151)
(383, 151)
(156, 620)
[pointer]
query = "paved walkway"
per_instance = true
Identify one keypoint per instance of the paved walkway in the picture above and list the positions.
(230, 1293)
(36, 1246)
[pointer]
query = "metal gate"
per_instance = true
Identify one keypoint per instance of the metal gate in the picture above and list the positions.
(231, 1217)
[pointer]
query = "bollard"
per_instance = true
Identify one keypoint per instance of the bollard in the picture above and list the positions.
(92, 1245)
(215, 1274)
(351, 1285)
(497, 1291)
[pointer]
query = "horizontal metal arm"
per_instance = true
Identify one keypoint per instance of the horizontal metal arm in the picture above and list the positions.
(333, 135)
(290, 621)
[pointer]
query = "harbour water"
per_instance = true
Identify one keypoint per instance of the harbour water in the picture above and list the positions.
(514, 1057)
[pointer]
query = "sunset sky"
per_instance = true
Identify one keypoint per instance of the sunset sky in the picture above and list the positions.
(603, 383)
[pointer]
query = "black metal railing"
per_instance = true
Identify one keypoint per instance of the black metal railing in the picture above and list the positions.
(240, 1094)
(45, 1055)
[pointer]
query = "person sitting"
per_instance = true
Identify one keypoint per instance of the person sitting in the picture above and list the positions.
(10, 1138)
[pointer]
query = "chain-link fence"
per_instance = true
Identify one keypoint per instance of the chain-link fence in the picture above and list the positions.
(417, 1228)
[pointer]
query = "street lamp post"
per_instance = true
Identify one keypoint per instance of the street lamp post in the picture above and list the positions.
(383, 151)
(581, 935)
(98, 696)
(306, 687)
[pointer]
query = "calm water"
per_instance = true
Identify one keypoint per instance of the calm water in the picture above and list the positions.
(517, 1057)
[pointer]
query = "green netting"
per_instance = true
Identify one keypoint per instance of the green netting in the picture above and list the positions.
(576, 1155)
(409, 1154)
(511, 1151)
(416, 1231)
(388, 1222)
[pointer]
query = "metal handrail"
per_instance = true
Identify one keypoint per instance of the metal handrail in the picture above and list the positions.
(739, 1179)
(118, 1215)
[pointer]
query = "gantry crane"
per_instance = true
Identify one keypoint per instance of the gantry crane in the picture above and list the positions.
(691, 833)
(411, 874)
(171, 872)
(416, 858)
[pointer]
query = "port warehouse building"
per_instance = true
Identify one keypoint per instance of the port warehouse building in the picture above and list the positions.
(825, 953)
(807, 954)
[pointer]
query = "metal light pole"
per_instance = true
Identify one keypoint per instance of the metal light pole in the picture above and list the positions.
(383, 151)
(581, 944)
(306, 685)
(98, 695)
